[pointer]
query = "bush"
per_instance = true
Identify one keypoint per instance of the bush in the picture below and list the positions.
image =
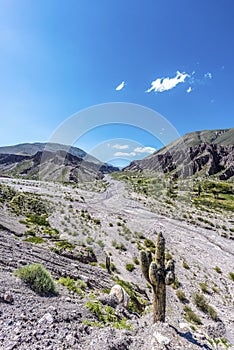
(185, 265)
(202, 304)
(136, 260)
(190, 316)
(130, 267)
(149, 244)
(231, 276)
(217, 269)
(38, 278)
(74, 286)
(212, 313)
(35, 240)
(181, 296)
(204, 287)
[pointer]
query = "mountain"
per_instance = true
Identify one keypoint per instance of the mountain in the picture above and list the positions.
(51, 162)
(204, 153)
(33, 148)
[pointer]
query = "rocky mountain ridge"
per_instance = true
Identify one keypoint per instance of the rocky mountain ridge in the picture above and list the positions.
(56, 163)
(193, 155)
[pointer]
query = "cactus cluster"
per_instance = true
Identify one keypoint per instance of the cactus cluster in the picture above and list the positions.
(158, 275)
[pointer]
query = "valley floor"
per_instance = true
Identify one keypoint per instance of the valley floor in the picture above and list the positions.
(109, 221)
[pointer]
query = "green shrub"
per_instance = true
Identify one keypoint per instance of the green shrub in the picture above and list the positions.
(185, 265)
(168, 256)
(65, 245)
(35, 240)
(38, 220)
(106, 315)
(176, 283)
(181, 296)
(190, 316)
(217, 269)
(130, 267)
(101, 243)
(136, 260)
(75, 286)
(38, 278)
(202, 304)
(149, 244)
(231, 276)
(204, 287)
(212, 313)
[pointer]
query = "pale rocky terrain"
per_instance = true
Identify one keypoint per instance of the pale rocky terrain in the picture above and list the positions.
(35, 322)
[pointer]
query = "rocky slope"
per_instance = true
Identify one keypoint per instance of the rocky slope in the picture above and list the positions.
(83, 217)
(51, 162)
(200, 153)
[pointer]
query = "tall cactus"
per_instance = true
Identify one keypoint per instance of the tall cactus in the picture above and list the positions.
(158, 275)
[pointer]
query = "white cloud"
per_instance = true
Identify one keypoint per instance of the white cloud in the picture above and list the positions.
(120, 86)
(208, 75)
(189, 90)
(164, 84)
(149, 150)
(117, 146)
(124, 154)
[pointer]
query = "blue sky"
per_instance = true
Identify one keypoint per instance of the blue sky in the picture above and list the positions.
(60, 57)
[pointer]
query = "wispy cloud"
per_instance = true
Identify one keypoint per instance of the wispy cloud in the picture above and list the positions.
(120, 86)
(189, 90)
(117, 146)
(208, 75)
(149, 150)
(124, 154)
(164, 84)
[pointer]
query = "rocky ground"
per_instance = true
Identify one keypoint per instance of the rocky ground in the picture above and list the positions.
(30, 321)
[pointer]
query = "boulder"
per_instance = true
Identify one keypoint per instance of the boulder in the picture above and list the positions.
(120, 294)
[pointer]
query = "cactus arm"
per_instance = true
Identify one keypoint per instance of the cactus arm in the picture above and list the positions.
(144, 262)
(153, 274)
(170, 272)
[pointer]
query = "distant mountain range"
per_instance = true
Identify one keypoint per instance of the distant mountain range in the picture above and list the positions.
(51, 161)
(201, 153)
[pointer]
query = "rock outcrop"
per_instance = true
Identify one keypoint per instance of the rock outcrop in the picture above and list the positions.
(208, 159)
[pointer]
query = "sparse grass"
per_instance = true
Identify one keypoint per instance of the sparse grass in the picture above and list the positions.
(136, 260)
(35, 240)
(185, 265)
(149, 244)
(190, 316)
(168, 255)
(38, 279)
(130, 267)
(181, 296)
(119, 246)
(201, 302)
(101, 243)
(106, 315)
(204, 287)
(176, 283)
(218, 270)
(76, 286)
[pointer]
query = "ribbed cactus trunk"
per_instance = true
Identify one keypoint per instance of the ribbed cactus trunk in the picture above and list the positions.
(158, 276)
